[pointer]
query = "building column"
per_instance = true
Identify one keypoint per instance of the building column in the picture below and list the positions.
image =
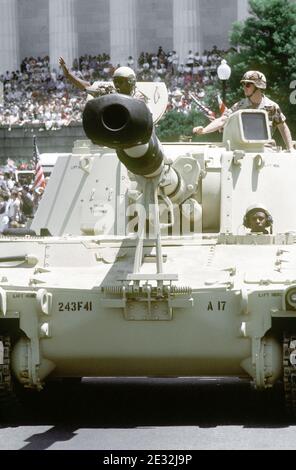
(9, 36)
(123, 31)
(62, 32)
(242, 9)
(187, 28)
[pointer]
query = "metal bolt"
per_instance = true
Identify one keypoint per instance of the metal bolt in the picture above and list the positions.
(187, 168)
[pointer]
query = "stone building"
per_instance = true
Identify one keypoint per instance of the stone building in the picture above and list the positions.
(119, 27)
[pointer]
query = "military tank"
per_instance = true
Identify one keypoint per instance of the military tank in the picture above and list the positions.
(149, 267)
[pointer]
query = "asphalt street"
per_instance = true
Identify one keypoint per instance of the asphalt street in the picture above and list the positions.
(134, 414)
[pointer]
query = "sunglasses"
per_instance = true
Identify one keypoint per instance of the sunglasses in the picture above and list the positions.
(247, 85)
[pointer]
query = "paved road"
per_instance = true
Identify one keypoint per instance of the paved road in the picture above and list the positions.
(183, 414)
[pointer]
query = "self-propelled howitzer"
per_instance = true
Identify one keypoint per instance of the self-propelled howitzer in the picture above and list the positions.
(126, 124)
(185, 289)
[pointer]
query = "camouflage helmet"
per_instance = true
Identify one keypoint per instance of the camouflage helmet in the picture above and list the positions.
(124, 79)
(255, 77)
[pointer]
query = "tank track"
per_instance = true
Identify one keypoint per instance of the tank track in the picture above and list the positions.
(289, 346)
(9, 405)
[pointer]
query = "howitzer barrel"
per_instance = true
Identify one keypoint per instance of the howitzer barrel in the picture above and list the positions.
(124, 123)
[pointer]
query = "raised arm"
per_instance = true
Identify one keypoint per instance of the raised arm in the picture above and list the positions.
(81, 84)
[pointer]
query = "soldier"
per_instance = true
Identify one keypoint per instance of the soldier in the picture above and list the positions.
(124, 80)
(253, 83)
(258, 219)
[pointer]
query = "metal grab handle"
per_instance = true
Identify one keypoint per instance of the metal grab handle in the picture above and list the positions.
(29, 259)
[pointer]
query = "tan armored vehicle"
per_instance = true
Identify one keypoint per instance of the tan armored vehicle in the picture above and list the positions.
(153, 267)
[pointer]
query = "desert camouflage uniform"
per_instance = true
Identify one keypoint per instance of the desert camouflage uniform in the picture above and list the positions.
(275, 114)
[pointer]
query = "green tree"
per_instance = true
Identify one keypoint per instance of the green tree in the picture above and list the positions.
(175, 126)
(266, 41)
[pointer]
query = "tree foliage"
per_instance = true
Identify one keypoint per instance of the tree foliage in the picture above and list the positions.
(176, 126)
(266, 41)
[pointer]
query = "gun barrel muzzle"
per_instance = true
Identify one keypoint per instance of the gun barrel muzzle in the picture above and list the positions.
(117, 121)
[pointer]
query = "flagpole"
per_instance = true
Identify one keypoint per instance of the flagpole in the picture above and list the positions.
(202, 108)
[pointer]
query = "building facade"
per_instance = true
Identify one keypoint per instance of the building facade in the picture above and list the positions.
(71, 28)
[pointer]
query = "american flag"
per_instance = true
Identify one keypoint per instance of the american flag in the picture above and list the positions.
(39, 180)
(222, 106)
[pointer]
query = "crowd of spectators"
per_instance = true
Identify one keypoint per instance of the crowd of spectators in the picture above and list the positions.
(18, 198)
(35, 94)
